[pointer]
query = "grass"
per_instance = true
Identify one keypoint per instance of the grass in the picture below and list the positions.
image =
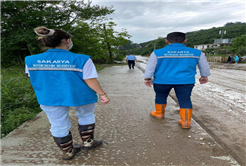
(18, 100)
(100, 67)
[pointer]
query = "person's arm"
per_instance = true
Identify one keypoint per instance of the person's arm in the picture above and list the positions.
(150, 69)
(94, 84)
(203, 68)
(90, 77)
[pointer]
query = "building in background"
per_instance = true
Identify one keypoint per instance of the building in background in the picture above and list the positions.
(217, 43)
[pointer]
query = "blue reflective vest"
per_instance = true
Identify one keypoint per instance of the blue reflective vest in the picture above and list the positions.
(57, 78)
(176, 64)
(236, 58)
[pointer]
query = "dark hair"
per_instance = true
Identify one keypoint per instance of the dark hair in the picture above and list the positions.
(51, 37)
(176, 37)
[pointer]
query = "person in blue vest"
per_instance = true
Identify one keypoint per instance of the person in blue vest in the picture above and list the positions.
(131, 59)
(236, 59)
(174, 66)
(62, 79)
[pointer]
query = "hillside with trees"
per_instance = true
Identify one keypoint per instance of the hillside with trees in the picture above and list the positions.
(204, 36)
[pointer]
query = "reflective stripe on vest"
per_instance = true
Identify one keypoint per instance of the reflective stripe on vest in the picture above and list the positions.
(177, 57)
(57, 69)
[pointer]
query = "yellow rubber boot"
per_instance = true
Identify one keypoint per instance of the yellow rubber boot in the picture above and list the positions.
(185, 118)
(160, 111)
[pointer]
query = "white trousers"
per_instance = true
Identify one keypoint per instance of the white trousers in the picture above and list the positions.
(59, 117)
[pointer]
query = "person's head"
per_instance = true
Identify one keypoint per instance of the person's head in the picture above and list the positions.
(176, 37)
(53, 37)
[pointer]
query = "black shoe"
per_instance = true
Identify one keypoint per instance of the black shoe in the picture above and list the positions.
(87, 136)
(95, 144)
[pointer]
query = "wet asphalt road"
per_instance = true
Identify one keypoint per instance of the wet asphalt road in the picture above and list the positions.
(130, 136)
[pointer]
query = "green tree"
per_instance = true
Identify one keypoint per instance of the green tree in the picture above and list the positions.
(99, 40)
(111, 40)
(239, 41)
(19, 18)
(208, 51)
(219, 51)
(241, 51)
(160, 42)
(86, 41)
(239, 45)
(230, 49)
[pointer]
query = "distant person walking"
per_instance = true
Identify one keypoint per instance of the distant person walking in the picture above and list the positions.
(236, 59)
(174, 66)
(62, 79)
(131, 59)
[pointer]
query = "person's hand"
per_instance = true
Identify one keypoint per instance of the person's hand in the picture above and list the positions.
(148, 83)
(104, 100)
(203, 80)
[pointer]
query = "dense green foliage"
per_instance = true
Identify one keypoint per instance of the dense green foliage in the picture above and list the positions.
(207, 36)
(18, 100)
(239, 45)
(239, 41)
(233, 30)
(80, 18)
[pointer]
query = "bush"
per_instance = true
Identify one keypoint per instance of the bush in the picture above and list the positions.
(119, 57)
(19, 102)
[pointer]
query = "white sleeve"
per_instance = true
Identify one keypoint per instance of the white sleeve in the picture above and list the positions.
(203, 66)
(26, 71)
(89, 70)
(150, 68)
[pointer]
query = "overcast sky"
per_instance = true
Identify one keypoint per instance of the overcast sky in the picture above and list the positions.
(147, 20)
